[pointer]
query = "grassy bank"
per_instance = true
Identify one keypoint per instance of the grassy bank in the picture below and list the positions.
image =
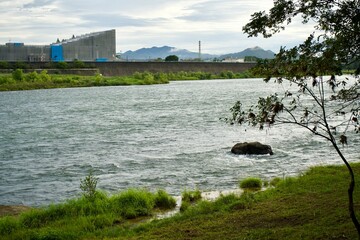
(19, 80)
(311, 206)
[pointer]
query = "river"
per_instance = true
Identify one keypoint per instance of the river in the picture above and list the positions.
(157, 137)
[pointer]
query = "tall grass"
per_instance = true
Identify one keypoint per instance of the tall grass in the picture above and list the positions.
(251, 184)
(19, 80)
(284, 212)
(81, 216)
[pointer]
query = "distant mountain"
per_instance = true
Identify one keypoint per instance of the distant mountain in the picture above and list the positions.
(161, 52)
(253, 52)
(183, 54)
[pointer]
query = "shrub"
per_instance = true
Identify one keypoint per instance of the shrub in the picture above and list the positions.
(44, 76)
(164, 201)
(148, 77)
(251, 184)
(62, 65)
(4, 65)
(88, 186)
(4, 79)
(20, 65)
(32, 77)
(78, 64)
(133, 203)
(191, 196)
(18, 75)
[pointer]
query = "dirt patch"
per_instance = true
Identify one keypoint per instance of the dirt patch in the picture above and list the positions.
(12, 210)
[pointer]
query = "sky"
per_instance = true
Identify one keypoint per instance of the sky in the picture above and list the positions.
(144, 23)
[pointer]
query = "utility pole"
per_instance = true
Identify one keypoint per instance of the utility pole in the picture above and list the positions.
(199, 50)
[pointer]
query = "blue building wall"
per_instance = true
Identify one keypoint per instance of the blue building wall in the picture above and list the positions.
(57, 53)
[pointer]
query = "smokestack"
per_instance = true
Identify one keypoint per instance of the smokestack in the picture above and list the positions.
(200, 50)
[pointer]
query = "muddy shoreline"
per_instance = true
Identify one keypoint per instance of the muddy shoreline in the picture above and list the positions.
(6, 210)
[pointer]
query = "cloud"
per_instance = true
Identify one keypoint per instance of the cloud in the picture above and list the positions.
(38, 3)
(142, 23)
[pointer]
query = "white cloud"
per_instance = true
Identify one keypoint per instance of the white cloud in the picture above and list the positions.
(141, 23)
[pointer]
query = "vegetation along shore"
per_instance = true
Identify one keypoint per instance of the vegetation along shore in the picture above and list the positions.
(18, 80)
(311, 206)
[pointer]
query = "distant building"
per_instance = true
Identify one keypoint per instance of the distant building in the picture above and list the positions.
(98, 46)
(234, 60)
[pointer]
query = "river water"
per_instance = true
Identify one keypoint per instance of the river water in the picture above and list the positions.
(158, 137)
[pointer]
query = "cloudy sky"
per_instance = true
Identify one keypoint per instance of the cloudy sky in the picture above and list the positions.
(144, 23)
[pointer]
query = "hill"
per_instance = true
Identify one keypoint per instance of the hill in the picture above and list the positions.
(162, 52)
(183, 54)
(253, 52)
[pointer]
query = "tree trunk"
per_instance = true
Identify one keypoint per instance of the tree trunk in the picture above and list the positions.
(350, 190)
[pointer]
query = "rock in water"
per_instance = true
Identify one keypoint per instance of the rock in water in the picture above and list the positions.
(251, 148)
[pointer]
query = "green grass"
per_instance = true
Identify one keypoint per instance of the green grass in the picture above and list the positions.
(84, 216)
(188, 198)
(251, 184)
(34, 80)
(311, 206)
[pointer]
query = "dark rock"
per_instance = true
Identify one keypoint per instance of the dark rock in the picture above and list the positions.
(251, 148)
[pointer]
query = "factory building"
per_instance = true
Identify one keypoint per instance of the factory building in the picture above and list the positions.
(98, 46)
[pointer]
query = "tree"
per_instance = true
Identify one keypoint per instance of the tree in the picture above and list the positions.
(250, 59)
(335, 43)
(88, 186)
(172, 58)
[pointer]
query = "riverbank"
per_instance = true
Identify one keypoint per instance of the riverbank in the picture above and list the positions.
(18, 80)
(311, 206)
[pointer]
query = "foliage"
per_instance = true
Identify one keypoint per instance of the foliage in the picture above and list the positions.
(20, 65)
(275, 181)
(334, 44)
(251, 59)
(77, 64)
(88, 186)
(284, 212)
(4, 65)
(133, 203)
(251, 184)
(61, 65)
(337, 23)
(191, 196)
(164, 201)
(18, 75)
(172, 58)
(44, 80)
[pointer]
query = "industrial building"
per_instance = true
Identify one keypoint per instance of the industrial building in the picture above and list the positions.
(98, 46)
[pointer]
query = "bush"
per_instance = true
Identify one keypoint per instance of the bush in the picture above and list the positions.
(21, 65)
(133, 203)
(44, 76)
(32, 77)
(61, 65)
(18, 75)
(191, 196)
(251, 184)
(77, 64)
(4, 65)
(164, 201)
(88, 186)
